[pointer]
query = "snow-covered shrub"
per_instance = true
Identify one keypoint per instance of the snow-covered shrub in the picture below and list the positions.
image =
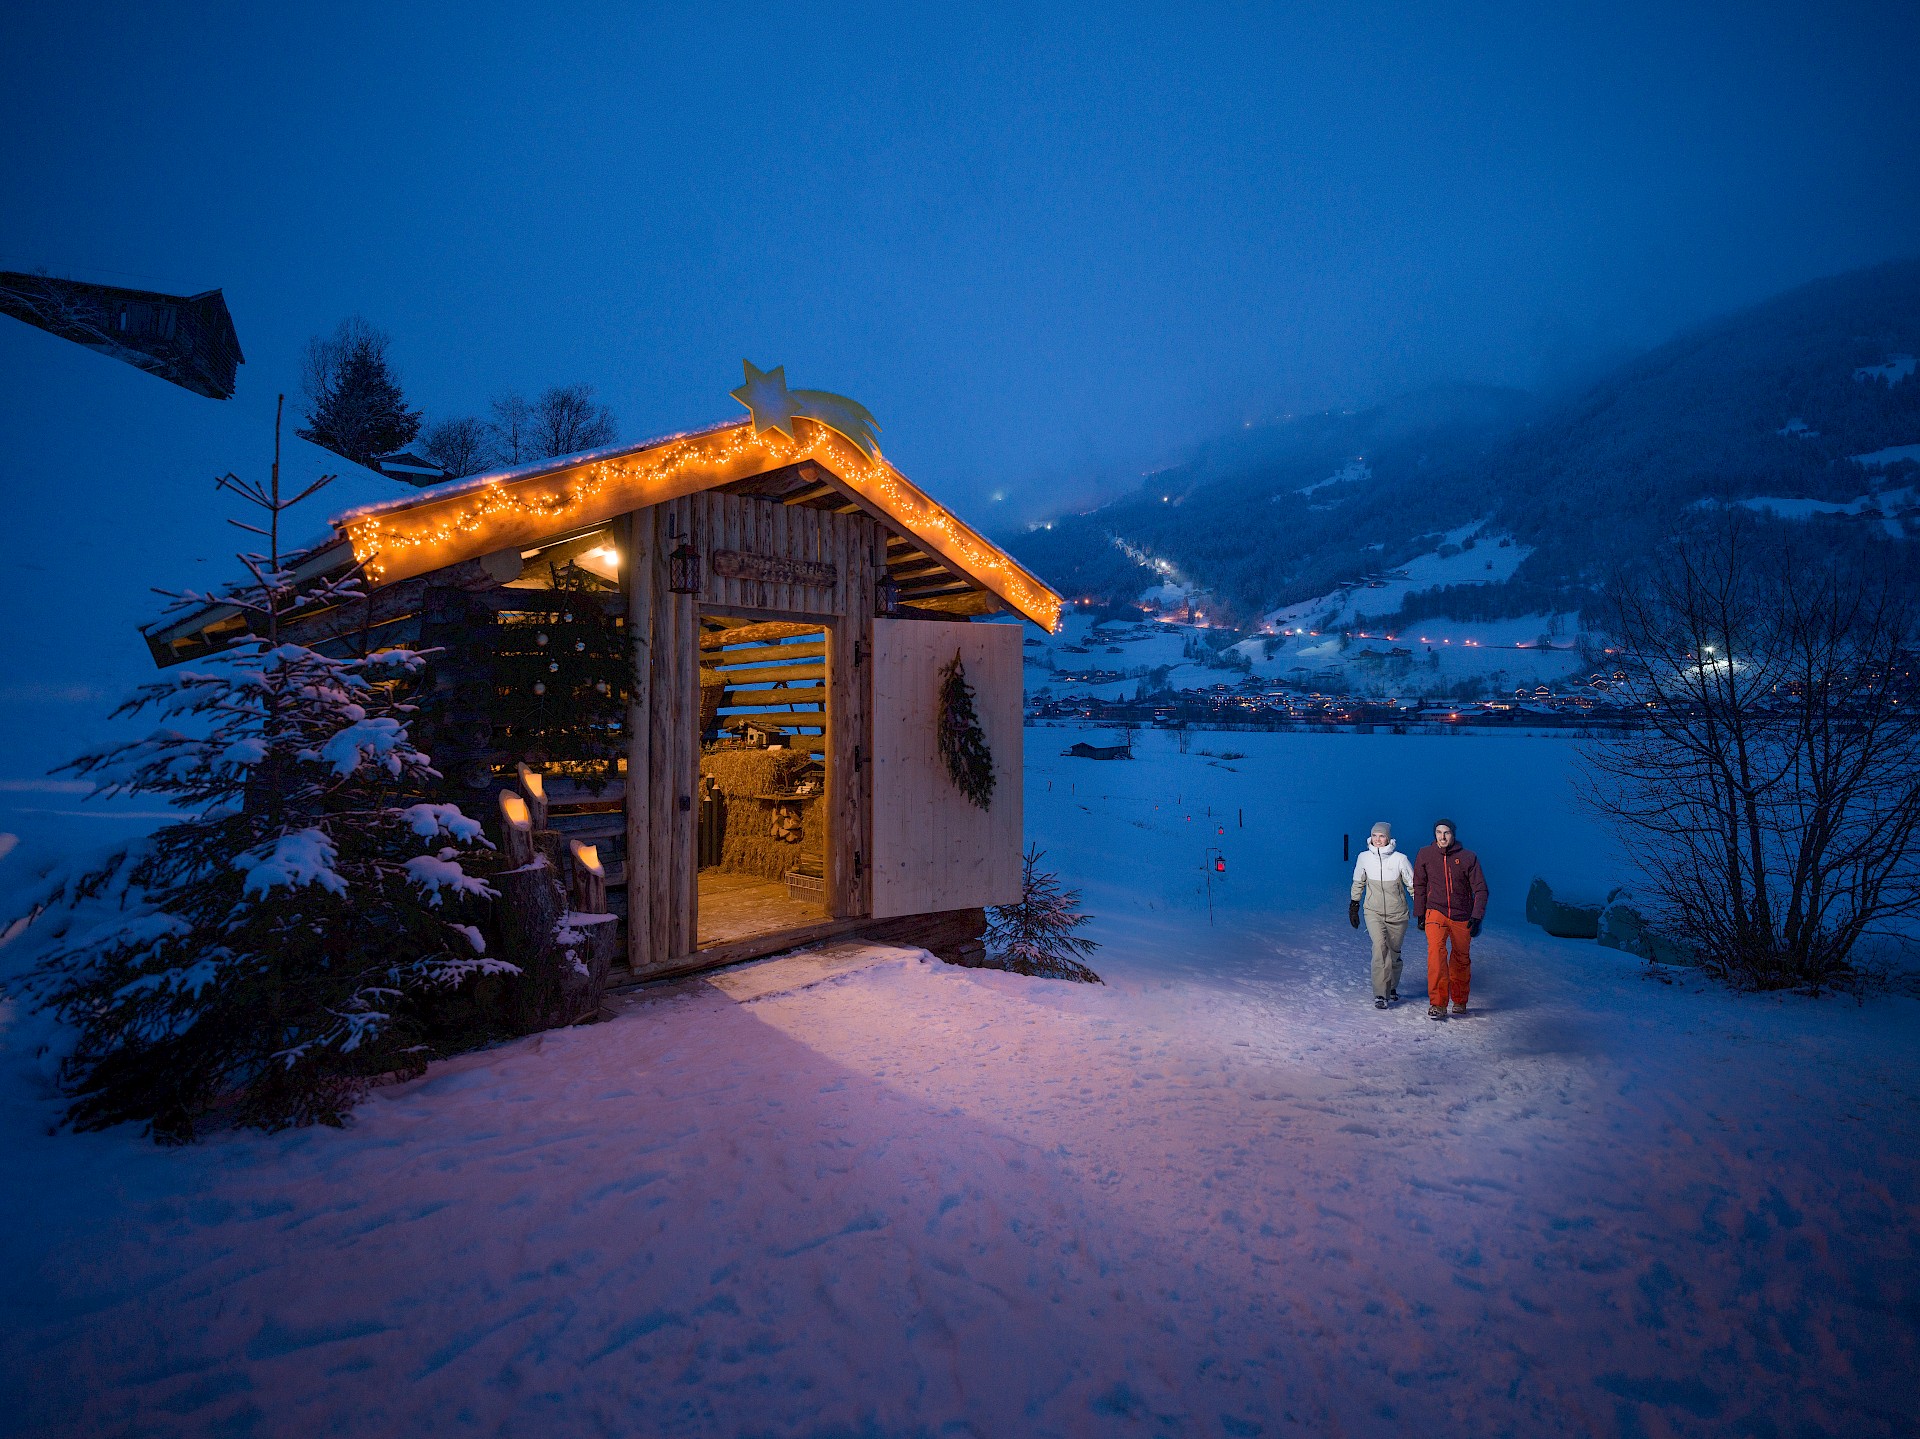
(266, 954)
(1035, 934)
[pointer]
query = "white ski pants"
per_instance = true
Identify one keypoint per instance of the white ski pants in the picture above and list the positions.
(1386, 935)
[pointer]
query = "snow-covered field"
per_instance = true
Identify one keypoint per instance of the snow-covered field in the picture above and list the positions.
(874, 1195)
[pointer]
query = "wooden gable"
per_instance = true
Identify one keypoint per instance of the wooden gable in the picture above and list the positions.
(936, 559)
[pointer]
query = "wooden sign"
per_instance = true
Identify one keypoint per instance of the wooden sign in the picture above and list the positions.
(774, 569)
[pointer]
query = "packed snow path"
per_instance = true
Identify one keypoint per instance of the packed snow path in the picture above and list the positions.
(876, 1195)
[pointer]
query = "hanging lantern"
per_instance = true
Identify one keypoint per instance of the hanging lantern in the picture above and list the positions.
(539, 687)
(886, 596)
(1219, 864)
(683, 568)
(540, 639)
(553, 667)
(579, 644)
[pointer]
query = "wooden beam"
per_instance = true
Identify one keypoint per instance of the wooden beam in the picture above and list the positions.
(747, 634)
(946, 607)
(763, 654)
(734, 696)
(638, 574)
(849, 753)
(925, 589)
(765, 674)
(684, 738)
(918, 569)
(807, 619)
(760, 945)
(817, 718)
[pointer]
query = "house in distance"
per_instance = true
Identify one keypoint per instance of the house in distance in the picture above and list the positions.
(722, 653)
(188, 339)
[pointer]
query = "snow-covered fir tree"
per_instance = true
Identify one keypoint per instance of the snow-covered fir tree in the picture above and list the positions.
(355, 407)
(1035, 935)
(269, 952)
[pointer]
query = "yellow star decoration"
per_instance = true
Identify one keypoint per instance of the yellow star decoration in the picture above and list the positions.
(766, 398)
(774, 407)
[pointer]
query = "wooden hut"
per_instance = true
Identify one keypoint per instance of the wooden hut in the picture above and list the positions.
(789, 601)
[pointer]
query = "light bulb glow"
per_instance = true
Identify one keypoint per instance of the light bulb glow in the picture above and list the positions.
(398, 543)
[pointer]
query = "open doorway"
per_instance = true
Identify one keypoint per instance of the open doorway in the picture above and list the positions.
(763, 815)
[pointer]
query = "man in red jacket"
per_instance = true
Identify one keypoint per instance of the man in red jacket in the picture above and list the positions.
(1449, 901)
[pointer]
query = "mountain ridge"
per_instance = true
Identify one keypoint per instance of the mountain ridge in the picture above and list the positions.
(1769, 403)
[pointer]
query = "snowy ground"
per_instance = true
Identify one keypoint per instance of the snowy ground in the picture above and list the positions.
(874, 1195)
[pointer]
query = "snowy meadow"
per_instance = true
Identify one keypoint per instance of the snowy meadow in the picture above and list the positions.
(865, 1193)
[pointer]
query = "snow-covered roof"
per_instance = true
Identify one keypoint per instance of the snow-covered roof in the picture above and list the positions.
(534, 469)
(431, 528)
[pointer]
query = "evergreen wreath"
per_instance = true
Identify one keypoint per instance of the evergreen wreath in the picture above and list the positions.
(963, 744)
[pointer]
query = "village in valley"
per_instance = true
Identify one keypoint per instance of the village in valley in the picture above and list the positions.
(1206, 725)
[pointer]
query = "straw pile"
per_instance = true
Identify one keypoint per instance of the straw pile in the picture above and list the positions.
(749, 846)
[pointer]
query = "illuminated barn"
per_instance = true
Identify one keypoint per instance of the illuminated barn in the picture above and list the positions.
(781, 604)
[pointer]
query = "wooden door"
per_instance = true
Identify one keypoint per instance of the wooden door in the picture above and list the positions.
(933, 849)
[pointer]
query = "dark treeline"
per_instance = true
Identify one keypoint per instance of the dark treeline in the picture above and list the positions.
(357, 409)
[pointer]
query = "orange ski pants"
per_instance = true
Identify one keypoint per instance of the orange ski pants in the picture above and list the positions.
(1447, 977)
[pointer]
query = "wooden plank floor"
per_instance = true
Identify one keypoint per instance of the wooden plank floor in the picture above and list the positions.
(739, 906)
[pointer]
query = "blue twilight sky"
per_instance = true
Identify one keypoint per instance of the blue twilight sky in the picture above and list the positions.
(1048, 246)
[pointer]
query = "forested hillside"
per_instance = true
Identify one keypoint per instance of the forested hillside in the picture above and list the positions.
(1789, 408)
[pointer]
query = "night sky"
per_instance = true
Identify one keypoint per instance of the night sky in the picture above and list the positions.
(1047, 250)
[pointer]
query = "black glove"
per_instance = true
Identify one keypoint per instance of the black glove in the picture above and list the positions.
(1420, 922)
(1353, 913)
(1473, 929)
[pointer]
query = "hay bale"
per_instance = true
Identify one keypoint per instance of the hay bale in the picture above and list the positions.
(749, 846)
(743, 772)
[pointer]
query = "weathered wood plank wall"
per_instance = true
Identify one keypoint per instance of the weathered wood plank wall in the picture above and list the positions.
(663, 740)
(932, 848)
(744, 525)
(860, 549)
(638, 579)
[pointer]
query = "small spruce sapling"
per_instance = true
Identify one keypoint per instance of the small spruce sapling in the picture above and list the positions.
(1035, 935)
(266, 954)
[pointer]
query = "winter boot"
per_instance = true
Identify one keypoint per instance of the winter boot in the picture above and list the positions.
(1459, 1006)
(1434, 1011)
(1379, 1003)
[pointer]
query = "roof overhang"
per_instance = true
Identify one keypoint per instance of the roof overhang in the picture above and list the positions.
(447, 524)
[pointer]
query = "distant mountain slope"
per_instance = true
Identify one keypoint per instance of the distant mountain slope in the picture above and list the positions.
(1291, 510)
(1766, 407)
(1771, 402)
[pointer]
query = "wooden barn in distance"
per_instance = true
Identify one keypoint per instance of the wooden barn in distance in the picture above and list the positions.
(188, 339)
(788, 600)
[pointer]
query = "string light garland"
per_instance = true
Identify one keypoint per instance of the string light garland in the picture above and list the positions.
(398, 543)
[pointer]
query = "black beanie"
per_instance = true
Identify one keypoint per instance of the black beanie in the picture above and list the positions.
(1449, 824)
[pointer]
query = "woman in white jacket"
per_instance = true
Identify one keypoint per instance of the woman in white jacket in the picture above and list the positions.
(1384, 880)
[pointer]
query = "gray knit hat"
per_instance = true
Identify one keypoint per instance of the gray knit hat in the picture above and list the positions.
(1383, 829)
